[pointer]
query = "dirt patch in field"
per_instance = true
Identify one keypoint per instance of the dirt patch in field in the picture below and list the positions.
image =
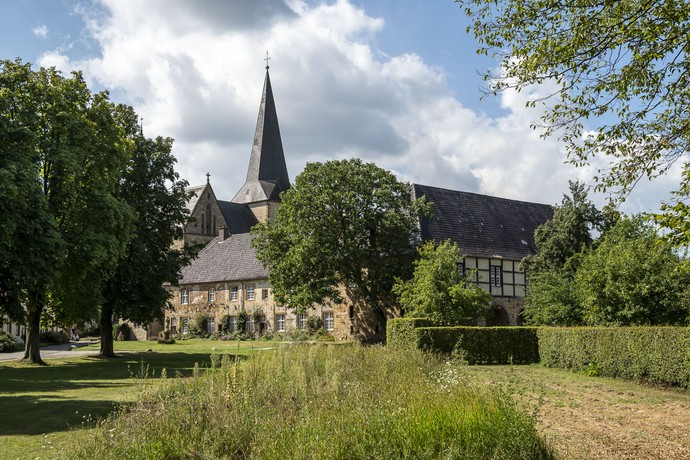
(596, 418)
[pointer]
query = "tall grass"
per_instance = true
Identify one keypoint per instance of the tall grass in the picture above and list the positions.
(320, 402)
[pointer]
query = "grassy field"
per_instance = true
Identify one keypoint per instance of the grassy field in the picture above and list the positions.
(39, 404)
(580, 416)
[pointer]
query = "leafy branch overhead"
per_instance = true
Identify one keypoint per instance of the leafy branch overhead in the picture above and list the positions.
(621, 77)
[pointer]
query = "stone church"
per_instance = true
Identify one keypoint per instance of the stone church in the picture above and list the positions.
(227, 279)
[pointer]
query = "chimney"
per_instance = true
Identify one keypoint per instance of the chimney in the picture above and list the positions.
(224, 233)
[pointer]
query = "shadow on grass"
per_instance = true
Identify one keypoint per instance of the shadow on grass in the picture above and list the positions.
(33, 401)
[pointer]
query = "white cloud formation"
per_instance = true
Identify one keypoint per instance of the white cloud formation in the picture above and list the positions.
(40, 31)
(193, 70)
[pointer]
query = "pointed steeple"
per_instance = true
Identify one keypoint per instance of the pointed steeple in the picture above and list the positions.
(267, 176)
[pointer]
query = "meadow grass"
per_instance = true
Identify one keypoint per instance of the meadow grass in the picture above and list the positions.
(319, 402)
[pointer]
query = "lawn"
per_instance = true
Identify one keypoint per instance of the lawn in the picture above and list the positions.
(580, 416)
(39, 404)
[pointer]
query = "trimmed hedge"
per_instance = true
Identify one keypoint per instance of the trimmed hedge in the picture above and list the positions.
(404, 332)
(654, 354)
(479, 345)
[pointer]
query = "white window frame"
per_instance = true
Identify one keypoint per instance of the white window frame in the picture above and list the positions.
(211, 295)
(280, 323)
(211, 325)
(234, 293)
(250, 292)
(328, 320)
(495, 276)
(184, 325)
(184, 296)
(302, 321)
(264, 294)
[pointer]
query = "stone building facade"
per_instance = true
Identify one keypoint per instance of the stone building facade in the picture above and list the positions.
(227, 281)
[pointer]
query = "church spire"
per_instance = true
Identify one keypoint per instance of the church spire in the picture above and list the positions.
(267, 175)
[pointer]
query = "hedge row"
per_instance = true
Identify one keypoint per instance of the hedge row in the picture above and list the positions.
(654, 354)
(479, 345)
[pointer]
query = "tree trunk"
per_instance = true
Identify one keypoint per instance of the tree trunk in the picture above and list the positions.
(106, 323)
(32, 350)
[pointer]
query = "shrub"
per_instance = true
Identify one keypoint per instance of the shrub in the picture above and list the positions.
(314, 324)
(7, 342)
(126, 332)
(403, 332)
(654, 354)
(198, 326)
(53, 337)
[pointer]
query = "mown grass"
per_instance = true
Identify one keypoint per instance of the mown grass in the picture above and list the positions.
(320, 402)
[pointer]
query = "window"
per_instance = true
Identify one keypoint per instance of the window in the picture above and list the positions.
(495, 276)
(211, 325)
(461, 269)
(232, 324)
(183, 325)
(211, 295)
(264, 294)
(250, 292)
(233, 293)
(280, 323)
(250, 324)
(184, 296)
(302, 321)
(328, 320)
(173, 326)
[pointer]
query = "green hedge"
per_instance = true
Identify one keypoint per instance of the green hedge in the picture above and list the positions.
(404, 332)
(654, 354)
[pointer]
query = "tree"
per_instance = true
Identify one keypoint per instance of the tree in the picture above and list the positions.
(631, 278)
(438, 290)
(68, 161)
(567, 233)
(552, 300)
(134, 290)
(344, 225)
(620, 69)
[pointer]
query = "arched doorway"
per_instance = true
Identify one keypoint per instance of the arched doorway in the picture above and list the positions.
(497, 316)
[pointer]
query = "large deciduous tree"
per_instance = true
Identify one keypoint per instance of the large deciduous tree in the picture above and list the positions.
(68, 159)
(438, 290)
(621, 73)
(153, 189)
(344, 225)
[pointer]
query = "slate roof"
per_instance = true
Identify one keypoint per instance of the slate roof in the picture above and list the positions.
(239, 217)
(481, 225)
(267, 174)
(231, 259)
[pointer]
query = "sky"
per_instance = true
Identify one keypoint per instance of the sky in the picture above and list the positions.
(394, 82)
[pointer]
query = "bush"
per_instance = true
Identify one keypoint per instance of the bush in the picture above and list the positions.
(314, 324)
(198, 326)
(7, 342)
(654, 354)
(126, 332)
(53, 337)
(403, 332)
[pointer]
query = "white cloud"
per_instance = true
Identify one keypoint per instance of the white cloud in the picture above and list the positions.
(194, 71)
(40, 31)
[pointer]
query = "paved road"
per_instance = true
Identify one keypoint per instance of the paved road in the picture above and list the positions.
(54, 351)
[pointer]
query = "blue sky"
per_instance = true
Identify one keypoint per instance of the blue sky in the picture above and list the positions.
(391, 81)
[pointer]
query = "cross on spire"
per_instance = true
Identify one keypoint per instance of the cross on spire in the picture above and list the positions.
(266, 59)
(208, 178)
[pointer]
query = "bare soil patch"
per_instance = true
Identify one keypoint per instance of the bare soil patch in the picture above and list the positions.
(597, 418)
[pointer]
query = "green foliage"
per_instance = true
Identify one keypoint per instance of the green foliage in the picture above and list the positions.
(344, 224)
(7, 342)
(404, 332)
(53, 337)
(654, 354)
(198, 326)
(320, 402)
(551, 300)
(314, 324)
(566, 234)
(437, 289)
(618, 70)
(483, 345)
(631, 278)
(122, 332)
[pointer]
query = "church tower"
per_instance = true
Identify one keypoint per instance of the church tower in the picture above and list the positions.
(267, 174)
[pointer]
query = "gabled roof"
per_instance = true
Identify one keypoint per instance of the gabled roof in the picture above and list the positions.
(239, 217)
(267, 174)
(230, 259)
(196, 194)
(481, 225)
